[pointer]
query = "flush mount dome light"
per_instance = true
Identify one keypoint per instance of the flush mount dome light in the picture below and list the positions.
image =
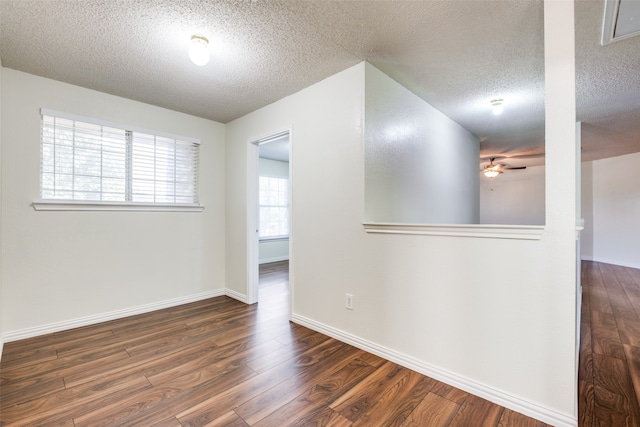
(199, 50)
(497, 106)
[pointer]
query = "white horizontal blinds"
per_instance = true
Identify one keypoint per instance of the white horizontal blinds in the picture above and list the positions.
(164, 170)
(97, 162)
(81, 161)
(113, 177)
(274, 209)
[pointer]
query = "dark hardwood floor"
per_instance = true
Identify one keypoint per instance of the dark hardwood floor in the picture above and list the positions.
(219, 362)
(609, 371)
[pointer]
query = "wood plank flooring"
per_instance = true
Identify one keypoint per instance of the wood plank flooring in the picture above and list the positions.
(609, 369)
(219, 362)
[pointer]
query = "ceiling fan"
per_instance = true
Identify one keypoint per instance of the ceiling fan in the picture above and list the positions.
(494, 169)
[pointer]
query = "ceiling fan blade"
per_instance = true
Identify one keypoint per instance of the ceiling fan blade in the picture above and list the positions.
(511, 169)
(498, 157)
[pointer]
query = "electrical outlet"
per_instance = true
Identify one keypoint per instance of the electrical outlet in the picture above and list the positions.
(349, 302)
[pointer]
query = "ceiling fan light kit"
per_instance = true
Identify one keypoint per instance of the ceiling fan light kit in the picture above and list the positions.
(494, 169)
(491, 173)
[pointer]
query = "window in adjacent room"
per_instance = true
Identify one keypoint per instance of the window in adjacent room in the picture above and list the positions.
(274, 207)
(88, 160)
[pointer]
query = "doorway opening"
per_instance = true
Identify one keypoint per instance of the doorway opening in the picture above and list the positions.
(270, 223)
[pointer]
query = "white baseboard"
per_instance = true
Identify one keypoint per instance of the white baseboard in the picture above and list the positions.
(236, 295)
(496, 396)
(274, 259)
(611, 261)
(98, 318)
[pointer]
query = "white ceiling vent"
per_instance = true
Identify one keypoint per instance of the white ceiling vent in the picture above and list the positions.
(621, 20)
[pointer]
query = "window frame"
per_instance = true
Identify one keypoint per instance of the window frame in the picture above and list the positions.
(124, 205)
(286, 206)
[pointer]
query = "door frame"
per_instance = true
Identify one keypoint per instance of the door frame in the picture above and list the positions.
(253, 154)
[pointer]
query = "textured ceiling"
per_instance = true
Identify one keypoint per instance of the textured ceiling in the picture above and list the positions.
(457, 55)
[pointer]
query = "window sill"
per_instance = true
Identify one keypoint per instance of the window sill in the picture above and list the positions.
(519, 232)
(273, 239)
(67, 205)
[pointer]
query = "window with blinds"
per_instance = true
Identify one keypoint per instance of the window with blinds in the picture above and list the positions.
(274, 207)
(88, 160)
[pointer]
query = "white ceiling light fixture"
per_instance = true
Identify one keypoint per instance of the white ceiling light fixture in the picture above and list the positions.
(199, 50)
(497, 106)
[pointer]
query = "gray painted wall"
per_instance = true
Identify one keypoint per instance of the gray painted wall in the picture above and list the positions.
(420, 166)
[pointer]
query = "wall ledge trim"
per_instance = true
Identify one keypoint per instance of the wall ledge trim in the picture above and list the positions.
(487, 231)
(104, 317)
(69, 205)
(496, 396)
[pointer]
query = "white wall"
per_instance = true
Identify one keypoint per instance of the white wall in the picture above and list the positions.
(611, 210)
(277, 249)
(1, 311)
(514, 197)
(610, 206)
(61, 266)
(424, 299)
(273, 168)
(421, 166)
(273, 250)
